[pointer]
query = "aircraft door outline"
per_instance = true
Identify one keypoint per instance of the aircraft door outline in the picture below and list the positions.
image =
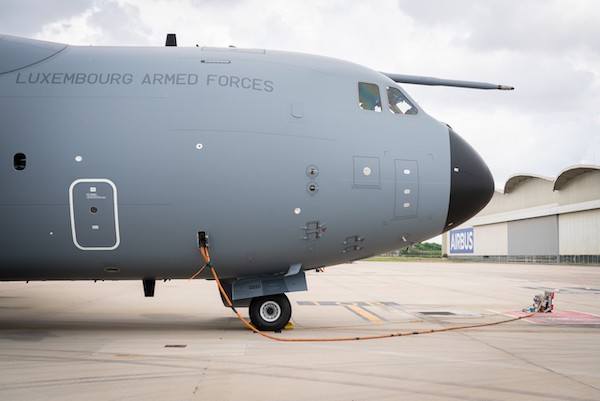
(94, 214)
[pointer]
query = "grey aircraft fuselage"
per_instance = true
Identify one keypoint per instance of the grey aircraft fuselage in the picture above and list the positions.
(114, 158)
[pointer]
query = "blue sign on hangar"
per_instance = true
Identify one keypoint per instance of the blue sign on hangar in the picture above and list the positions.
(462, 240)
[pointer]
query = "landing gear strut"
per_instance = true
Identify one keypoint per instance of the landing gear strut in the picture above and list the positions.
(271, 312)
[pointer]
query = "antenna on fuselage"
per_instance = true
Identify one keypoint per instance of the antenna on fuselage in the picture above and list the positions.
(171, 40)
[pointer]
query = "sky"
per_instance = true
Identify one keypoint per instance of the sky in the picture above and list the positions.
(548, 49)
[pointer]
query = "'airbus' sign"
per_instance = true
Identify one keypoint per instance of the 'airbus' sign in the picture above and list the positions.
(462, 241)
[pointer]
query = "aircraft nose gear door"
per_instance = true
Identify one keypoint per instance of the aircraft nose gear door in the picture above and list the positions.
(94, 214)
(407, 189)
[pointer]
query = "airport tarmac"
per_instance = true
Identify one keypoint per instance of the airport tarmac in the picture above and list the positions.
(105, 341)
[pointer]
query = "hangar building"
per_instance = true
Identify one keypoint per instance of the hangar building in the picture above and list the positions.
(535, 219)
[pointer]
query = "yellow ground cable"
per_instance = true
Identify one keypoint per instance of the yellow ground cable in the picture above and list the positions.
(198, 272)
(250, 326)
(206, 256)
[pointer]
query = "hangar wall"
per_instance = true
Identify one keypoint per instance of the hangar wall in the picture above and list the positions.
(535, 219)
(538, 236)
(580, 233)
(492, 239)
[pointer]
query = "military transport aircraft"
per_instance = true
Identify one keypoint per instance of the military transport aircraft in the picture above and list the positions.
(119, 162)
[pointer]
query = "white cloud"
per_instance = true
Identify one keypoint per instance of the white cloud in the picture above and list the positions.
(27, 17)
(104, 22)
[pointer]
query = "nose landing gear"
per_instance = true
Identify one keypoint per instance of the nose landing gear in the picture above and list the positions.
(268, 311)
(271, 312)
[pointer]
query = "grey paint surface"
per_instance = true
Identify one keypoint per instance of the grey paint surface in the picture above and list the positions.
(18, 53)
(206, 139)
(538, 236)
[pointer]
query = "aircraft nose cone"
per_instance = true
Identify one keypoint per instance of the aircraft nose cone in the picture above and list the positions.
(471, 183)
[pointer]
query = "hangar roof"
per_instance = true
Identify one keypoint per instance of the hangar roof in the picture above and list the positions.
(576, 188)
(515, 180)
(571, 172)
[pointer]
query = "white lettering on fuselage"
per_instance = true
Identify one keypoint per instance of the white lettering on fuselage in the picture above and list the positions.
(75, 78)
(146, 79)
(234, 81)
(170, 79)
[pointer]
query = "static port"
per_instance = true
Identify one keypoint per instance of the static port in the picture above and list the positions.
(94, 209)
(312, 171)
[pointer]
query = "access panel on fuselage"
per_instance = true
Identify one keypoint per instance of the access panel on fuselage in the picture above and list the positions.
(406, 188)
(94, 214)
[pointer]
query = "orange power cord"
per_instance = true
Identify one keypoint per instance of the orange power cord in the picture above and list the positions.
(206, 256)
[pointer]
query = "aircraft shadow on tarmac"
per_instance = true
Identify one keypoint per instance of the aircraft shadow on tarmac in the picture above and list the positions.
(25, 329)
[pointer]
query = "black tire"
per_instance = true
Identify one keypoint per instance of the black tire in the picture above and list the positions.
(270, 313)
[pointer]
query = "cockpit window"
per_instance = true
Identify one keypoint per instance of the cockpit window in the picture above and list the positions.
(399, 103)
(368, 96)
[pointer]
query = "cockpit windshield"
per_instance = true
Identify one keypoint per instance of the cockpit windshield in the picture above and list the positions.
(399, 103)
(368, 96)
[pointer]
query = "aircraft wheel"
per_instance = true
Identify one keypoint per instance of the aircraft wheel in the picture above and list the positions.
(270, 313)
